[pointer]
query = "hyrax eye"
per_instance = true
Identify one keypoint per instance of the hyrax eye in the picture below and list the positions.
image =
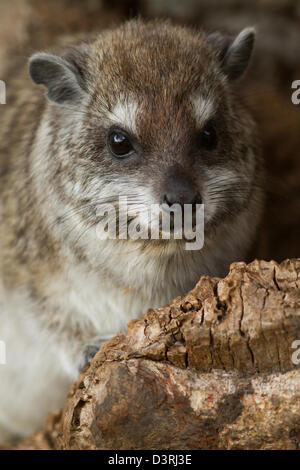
(119, 144)
(207, 138)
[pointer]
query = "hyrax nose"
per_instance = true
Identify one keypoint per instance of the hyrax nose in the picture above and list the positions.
(179, 190)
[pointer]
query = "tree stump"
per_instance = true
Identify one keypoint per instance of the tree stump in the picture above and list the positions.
(215, 369)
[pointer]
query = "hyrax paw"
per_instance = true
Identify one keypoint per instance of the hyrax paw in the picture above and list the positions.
(90, 350)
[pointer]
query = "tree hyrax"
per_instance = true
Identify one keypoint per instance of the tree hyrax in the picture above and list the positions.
(148, 112)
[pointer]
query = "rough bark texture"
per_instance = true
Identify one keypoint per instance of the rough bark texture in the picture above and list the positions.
(212, 370)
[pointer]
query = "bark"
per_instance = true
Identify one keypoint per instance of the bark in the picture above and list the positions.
(212, 370)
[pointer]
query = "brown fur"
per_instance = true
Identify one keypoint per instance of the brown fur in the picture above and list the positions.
(55, 165)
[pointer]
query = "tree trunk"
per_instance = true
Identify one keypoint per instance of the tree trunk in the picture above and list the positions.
(215, 369)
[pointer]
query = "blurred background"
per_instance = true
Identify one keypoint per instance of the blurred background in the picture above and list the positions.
(30, 25)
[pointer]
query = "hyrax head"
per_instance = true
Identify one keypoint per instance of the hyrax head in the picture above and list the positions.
(148, 112)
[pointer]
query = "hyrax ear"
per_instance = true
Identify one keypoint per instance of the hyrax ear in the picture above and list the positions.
(62, 78)
(234, 55)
